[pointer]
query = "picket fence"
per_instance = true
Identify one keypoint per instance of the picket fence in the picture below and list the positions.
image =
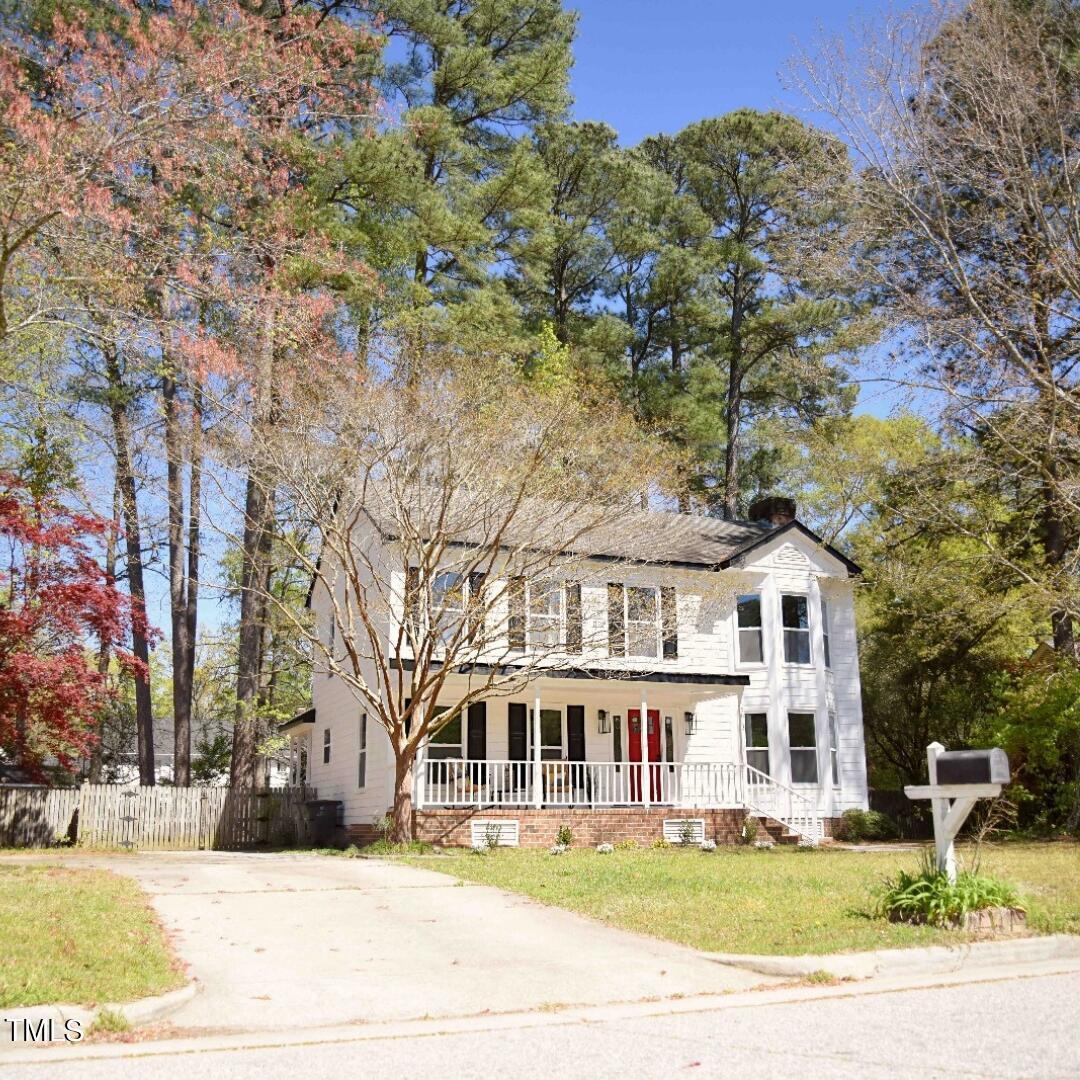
(153, 818)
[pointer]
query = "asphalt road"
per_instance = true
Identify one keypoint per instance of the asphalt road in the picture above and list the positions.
(1019, 1027)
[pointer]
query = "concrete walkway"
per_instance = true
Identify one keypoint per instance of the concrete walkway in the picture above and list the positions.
(302, 941)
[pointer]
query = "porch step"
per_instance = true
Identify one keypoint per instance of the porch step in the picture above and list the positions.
(779, 834)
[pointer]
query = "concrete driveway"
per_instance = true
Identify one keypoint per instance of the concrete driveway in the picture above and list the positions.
(302, 941)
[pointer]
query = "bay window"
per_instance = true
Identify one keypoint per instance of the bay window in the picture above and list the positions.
(757, 740)
(802, 742)
(749, 621)
(796, 622)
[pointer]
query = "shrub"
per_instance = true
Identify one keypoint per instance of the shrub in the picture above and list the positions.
(686, 833)
(749, 830)
(565, 836)
(626, 845)
(708, 845)
(928, 896)
(604, 849)
(558, 849)
(660, 843)
(856, 825)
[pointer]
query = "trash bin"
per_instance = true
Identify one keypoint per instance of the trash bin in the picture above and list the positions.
(323, 817)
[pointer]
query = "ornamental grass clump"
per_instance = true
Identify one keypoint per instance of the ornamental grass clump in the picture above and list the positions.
(929, 897)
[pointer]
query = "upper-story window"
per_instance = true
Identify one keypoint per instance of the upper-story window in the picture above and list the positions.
(545, 606)
(448, 603)
(750, 639)
(642, 622)
(827, 656)
(796, 619)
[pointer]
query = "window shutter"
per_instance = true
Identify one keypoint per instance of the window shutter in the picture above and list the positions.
(669, 623)
(412, 599)
(616, 622)
(573, 618)
(516, 595)
(476, 606)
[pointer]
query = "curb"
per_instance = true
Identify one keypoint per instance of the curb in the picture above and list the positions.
(932, 960)
(61, 1023)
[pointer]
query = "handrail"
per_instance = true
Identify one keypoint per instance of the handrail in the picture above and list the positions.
(782, 803)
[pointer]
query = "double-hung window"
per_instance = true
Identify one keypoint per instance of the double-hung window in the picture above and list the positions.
(757, 740)
(642, 621)
(796, 620)
(834, 748)
(361, 756)
(551, 734)
(326, 746)
(827, 656)
(448, 604)
(749, 619)
(802, 741)
(545, 615)
(446, 742)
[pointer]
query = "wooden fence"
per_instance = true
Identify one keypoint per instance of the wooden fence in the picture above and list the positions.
(153, 818)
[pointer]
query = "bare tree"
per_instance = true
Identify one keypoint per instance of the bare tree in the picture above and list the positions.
(445, 504)
(966, 127)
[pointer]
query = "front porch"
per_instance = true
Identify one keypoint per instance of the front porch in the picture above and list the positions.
(613, 746)
(456, 783)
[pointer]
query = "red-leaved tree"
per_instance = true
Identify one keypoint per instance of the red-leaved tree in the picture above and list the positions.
(56, 602)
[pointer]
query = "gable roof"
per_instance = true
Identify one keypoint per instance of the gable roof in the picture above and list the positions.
(792, 526)
(647, 537)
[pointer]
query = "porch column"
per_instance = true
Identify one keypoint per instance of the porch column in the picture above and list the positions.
(538, 780)
(643, 737)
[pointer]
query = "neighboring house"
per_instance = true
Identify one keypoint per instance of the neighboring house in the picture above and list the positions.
(750, 700)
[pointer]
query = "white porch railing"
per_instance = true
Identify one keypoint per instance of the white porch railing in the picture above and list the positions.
(457, 782)
(790, 808)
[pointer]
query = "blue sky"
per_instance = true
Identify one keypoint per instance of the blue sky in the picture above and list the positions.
(646, 66)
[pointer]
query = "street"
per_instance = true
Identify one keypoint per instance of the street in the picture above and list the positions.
(1013, 1027)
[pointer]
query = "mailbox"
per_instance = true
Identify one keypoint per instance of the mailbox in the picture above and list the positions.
(973, 767)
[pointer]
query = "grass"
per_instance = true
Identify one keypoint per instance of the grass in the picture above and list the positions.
(79, 937)
(782, 901)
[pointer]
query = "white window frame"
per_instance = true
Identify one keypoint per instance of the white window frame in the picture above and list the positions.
(361, 753)
(556, 621)
(326, 746)
(656, 622)
(434, 741)
(549, 747)
(333, 643)
(834, 749)
(826, 651)
(439, 610)
(749, 749)
(811, 751)
(760, 628)
(785, 630)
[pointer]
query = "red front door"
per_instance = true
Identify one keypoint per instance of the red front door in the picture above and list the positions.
(652, 737)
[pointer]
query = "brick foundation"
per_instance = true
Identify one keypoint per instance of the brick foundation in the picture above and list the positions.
(451, 828)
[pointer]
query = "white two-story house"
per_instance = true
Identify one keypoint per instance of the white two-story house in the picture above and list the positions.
(720, 680)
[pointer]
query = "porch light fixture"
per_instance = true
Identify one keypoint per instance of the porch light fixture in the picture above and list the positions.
(690, 725)
(603, 723)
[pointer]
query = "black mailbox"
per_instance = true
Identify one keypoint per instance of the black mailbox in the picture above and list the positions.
(973, 767)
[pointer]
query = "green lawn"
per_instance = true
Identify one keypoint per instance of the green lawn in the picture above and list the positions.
(783, 901)
(79, 937)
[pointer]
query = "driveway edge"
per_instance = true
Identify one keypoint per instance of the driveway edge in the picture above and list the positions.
(932, 960)
(51, 1019)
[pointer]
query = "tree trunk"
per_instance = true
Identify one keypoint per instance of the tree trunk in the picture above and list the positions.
(733, 410)
(401, 814)
(125, 479)
(182, 590)
(254, 575)
(105, 650)
(256, 550)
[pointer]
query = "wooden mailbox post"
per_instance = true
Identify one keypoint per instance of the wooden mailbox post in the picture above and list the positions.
(957, 781)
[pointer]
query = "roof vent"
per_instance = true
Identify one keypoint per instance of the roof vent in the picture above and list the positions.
(774, 510)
